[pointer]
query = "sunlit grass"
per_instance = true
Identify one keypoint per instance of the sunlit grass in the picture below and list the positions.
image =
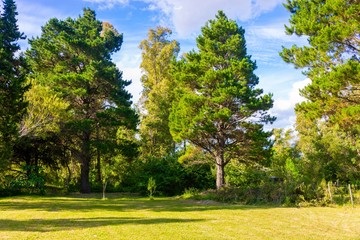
(118, 217)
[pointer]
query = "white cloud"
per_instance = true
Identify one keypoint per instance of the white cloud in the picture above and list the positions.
(128, 61)
(32, 16)
(274, 31)
(187, 16)
(284, 107)
(107, 3)
(135, 88)
(293, 97)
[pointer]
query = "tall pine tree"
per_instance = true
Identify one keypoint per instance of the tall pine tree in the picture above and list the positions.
(12, 80)
(332, 62)
(74, 57)
(218, 107)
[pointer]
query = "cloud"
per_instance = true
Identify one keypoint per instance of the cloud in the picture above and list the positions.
(284, 107)
(293, 96)
(128, 61)
(187, 16)
(105, 4)
(265, 41)
(32, 16)
(274, 32)
(134, 74)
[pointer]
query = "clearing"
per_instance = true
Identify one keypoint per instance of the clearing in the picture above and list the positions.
(120, 217)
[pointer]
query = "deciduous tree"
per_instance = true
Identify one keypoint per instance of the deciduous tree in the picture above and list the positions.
(155, 105)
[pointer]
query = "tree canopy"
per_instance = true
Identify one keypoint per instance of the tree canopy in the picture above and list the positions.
(67, 122)
(331, 61)
(12, 81)
(158, 94)
(217, 106)
(73, 57)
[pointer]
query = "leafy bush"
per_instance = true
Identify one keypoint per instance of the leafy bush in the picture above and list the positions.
(191, 193)
(151, 187)
(30, 180)
(171, 177)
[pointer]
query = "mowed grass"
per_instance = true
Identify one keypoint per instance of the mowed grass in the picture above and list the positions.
(118, 217)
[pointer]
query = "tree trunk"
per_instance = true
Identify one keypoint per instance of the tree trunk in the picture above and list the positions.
(85, 163)
(220, 172)
(104, 188)
(98, 159)
(85, 182)
(67, 184)
(98, 167)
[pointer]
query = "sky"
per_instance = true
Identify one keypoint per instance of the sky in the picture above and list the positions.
(263, 21)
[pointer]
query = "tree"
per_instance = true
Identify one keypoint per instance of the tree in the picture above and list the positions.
(328, 153)
(45, 113)
(73, 56)
(12, 81)
(158, 93)
(287, 163)
(40, 143)
(331, 61)
(217, 106)
(285, 154)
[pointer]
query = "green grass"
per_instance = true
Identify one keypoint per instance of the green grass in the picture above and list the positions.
(88, 217)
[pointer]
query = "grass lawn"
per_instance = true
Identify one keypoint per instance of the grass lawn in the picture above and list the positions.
(87, 217)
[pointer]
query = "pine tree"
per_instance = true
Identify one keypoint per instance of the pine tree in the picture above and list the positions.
(74, 57)
(12, 80)
(331, 61)
(217, 106)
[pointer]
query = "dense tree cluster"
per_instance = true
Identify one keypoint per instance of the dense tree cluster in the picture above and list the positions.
(328, 122)
(68, 123)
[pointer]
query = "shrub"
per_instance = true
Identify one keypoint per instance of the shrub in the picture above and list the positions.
(171, 177)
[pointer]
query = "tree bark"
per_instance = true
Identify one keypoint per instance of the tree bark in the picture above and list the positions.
(85, 163)
(98, 159)
(220, 172)
(98, 166)
(85, 182)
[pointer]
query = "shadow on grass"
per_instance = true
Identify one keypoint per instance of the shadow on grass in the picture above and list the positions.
(57, 204)
(52, 225)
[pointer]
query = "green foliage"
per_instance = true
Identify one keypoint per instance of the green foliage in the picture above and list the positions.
(217, 106)
(191, 193)
(328, 152)
(328, 122)
(151, 187)
(30, 180)
(171, 177)
(13, 71)
(45, 113)
(251, 185)
(73, 58)
(158, 93)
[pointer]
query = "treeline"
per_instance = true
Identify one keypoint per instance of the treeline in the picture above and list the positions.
(68, 124)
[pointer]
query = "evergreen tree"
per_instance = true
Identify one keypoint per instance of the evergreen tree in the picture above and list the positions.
(331, 61)
(217, 106)
(74, 57)
(158, 93)
(12, 81)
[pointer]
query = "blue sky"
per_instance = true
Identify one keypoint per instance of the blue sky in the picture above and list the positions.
(263, 21)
